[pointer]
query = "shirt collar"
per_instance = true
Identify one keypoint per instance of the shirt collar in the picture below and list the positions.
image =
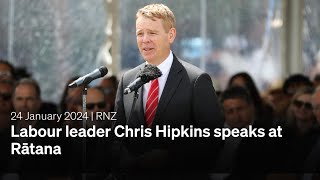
(166, 64)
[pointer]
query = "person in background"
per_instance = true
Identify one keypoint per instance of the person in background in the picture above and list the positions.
(264, 111)
(6, 108)
(278, 101)
(298, 129)
(295, 82)
(315, 99)
(70, 100)
(300, 118)
(6, 91)
(63, 102)
(238, 107)
(96, 150)
(312, 162)
(27, 100)
(316, 80)
(240, 156)
(7, 70)
(110, 86)
(96, 106)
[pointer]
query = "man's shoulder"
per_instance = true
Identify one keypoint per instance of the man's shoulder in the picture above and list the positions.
(133, 72)
(192, 70)
(191, 67)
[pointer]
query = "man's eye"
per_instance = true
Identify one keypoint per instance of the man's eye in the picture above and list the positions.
(229, 111)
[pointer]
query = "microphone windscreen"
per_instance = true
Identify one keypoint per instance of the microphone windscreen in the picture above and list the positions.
(150, 72)
(103, 70)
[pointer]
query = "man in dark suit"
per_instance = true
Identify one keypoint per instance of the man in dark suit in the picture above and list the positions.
(182, 96)
(244, 157)
(26, 100)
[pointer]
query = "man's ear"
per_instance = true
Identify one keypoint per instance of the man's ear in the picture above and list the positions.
(172, 34)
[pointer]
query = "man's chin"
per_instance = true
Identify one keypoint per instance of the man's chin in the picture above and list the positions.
(24, 115)
(148, 58)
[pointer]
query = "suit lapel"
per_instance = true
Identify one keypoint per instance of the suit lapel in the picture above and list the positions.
(170, 88)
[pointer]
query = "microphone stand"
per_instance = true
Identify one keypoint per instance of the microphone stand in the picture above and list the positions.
(84, 125)
(135, 97)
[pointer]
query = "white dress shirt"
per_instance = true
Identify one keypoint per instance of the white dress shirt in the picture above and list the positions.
(164, 68)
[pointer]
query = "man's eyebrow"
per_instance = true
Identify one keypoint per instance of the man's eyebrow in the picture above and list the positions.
(154, 30)
(148, 30)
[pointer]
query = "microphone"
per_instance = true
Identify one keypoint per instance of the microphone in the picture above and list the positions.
(86, 79)
(149, 72)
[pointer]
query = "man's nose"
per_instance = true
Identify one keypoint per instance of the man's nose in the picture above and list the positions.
(145, 38)
(236, 114)
(24, 102)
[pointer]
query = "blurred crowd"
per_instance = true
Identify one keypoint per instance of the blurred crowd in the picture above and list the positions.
(295, 107)
(20, 95)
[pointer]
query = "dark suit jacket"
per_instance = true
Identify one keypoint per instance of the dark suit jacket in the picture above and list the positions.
(188, 99)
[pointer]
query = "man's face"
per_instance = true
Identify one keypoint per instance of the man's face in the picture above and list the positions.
(5, 72)
(302, 108)
(316, 106)
(26, 100)
(153, 40)
(5, 98)
(73, 100)
(238, 113)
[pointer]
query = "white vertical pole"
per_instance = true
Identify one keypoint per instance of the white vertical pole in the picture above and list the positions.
(293, 34)
(11, 32)
(203, 32)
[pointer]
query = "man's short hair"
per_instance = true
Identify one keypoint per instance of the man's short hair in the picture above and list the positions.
(296, 79)
(159, 11)
(31, 82)
(317, 77)
(113, 79)
(236, 92)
